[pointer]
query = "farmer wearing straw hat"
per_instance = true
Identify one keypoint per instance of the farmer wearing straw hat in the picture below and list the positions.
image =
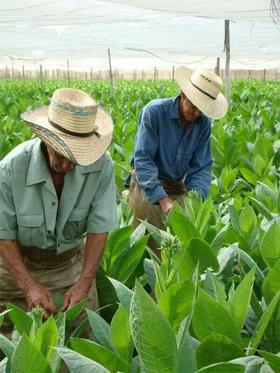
(57, 203)
(172, 152)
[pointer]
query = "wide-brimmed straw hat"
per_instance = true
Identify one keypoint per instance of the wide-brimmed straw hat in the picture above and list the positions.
(73, 125)
(203, 89)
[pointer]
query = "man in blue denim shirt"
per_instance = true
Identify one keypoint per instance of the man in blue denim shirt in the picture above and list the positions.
(172, 152)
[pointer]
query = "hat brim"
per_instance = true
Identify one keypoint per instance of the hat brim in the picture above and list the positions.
(82, 150)
(215, 109)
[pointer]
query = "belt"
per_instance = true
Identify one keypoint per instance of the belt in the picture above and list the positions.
(48, 257)
(173, 187)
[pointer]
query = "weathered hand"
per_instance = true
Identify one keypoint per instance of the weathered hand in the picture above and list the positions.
(38, 296)
(76, 293)
(166, 204)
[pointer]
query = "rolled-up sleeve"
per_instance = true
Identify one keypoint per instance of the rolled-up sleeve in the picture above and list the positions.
(102, 217)
(8, 221)
(145, 150)
(199, 175)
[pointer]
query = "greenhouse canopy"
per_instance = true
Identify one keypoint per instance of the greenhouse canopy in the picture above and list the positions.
(139, 34)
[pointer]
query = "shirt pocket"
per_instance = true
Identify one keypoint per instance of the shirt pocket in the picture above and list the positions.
(31, 230)
(76, 224)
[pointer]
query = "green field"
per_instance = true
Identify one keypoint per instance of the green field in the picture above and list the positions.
(215, 304)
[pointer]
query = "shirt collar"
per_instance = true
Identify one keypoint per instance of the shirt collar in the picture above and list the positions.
(94, 167)
(38, 169)
(174, 111)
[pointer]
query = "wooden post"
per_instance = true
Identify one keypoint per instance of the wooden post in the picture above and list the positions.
(7, 72)
(218, 66)
(110, 68)
(173, 73)
(264, 75)
(23, 73)
(155, 73)
(68, 72)
(227, 50)
(41, 73)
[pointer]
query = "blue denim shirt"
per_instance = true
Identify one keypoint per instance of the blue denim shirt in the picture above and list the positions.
(163, 150)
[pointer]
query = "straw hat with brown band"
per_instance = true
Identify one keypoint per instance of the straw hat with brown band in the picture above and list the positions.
(73, 125)
(203, 89)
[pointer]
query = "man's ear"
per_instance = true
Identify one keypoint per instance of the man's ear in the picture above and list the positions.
(182, 94)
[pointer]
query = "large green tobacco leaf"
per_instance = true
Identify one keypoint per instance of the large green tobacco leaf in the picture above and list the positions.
(203, 217)
(176, 302)
(6, 346)
(270, 247)
(261, 208)
(199, 251)
(77, 363)
(263, 147)
(114, 247)
(152, 334)
(100, 328)
(55, 358)
(246, 258)
(4, 366)
(99, 354)
(222, 368)
(247, 219)
(271, 284)
(73, 312)
(121, 335)
(260, 165)
(150, 272)
(249, 175)
(182, 226)
(125, 264)
(262, 324)
(272, 359)
(187, 345)
(21, 320)
(187, 351)
(28, 359)
(241, 299)
(123, 292)
(267, 195)
(252, 363)
(46, 338)
(215, 288)
(107, 297)
(211, 317)
(227, 178)
(217, 348)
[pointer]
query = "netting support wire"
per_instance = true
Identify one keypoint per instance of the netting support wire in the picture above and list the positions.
(227, 50)
(110, 68)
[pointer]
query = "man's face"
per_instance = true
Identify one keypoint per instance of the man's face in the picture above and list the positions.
(58, 162)
(189, 112)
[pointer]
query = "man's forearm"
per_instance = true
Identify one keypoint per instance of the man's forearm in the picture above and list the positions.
(94, 248)
(12, 258)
